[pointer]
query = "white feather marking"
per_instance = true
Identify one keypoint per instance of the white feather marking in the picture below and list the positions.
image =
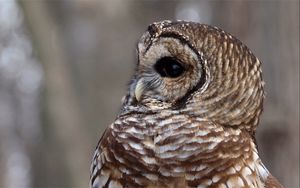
(222, 186)
(216, 178)
(190, 177)
(96, 183)
(166, 155)
(151, 121)
(207, 182)
(102, 180)
(255, 156)
(151, 177)
(239, 182)
(246, 171)
(149, 144)
(216, 139)
(138, 181)
(121, 160)
(118, 122)
(122, 135)
(201, 140)
(96, 153)
(132, 119)
(226, 134)
(165, 122)
(212, 146)
(105, 156)
(133, 130)
(231, 170)
(141, 151)
(237, 167)
(250, 181)
(250, 92)
(190, 148)
(251, 166)
(161, 138)
(179, 169)
(219, 129)
(231, 182)
(262, 171)
(181, 132)
(135, 145)
(202, 133)
(165, 113)
(124, 170)
(165, 172)
(184, 155)
(198, 168)
(200, 119)
(192, 125)
(162, 149)
(196, 139)
(114, 184)
(126, 146)
(99, 165)
(149, 160)
(246, 149)
(113, 126)
(237, 132)
(235, 139)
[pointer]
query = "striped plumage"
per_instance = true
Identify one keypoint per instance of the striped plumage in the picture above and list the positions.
(186, 125)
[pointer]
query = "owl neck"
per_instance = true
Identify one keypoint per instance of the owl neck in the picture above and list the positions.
(229, 109)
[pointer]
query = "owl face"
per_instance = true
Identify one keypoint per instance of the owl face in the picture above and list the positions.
(168, 68)
(199, 70)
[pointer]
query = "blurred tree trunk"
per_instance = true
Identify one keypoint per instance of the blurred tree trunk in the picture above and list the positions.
(20, 80)
(61, 108)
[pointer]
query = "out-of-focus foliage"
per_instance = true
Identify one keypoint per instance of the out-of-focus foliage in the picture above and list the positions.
(64, 66)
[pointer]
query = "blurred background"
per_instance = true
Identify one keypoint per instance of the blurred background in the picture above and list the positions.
(64, 66)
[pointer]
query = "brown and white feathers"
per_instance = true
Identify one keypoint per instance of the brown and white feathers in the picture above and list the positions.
(190, 115)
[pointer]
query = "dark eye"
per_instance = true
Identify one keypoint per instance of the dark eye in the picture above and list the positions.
(168, 67)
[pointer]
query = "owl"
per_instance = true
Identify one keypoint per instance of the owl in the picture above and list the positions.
(189, 116)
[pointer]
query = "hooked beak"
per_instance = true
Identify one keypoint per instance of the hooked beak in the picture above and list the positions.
(139, 89)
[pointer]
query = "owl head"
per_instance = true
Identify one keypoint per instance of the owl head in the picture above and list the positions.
(199, 70)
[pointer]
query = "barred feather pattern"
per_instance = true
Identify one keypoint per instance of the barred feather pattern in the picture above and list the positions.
(194, 130)
(175, 150)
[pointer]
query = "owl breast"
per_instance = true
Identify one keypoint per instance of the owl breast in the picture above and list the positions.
(170, 150)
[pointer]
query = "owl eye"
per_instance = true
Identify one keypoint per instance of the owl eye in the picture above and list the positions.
(169, 67)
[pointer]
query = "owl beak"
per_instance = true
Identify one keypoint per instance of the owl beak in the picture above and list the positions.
(139, 89)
